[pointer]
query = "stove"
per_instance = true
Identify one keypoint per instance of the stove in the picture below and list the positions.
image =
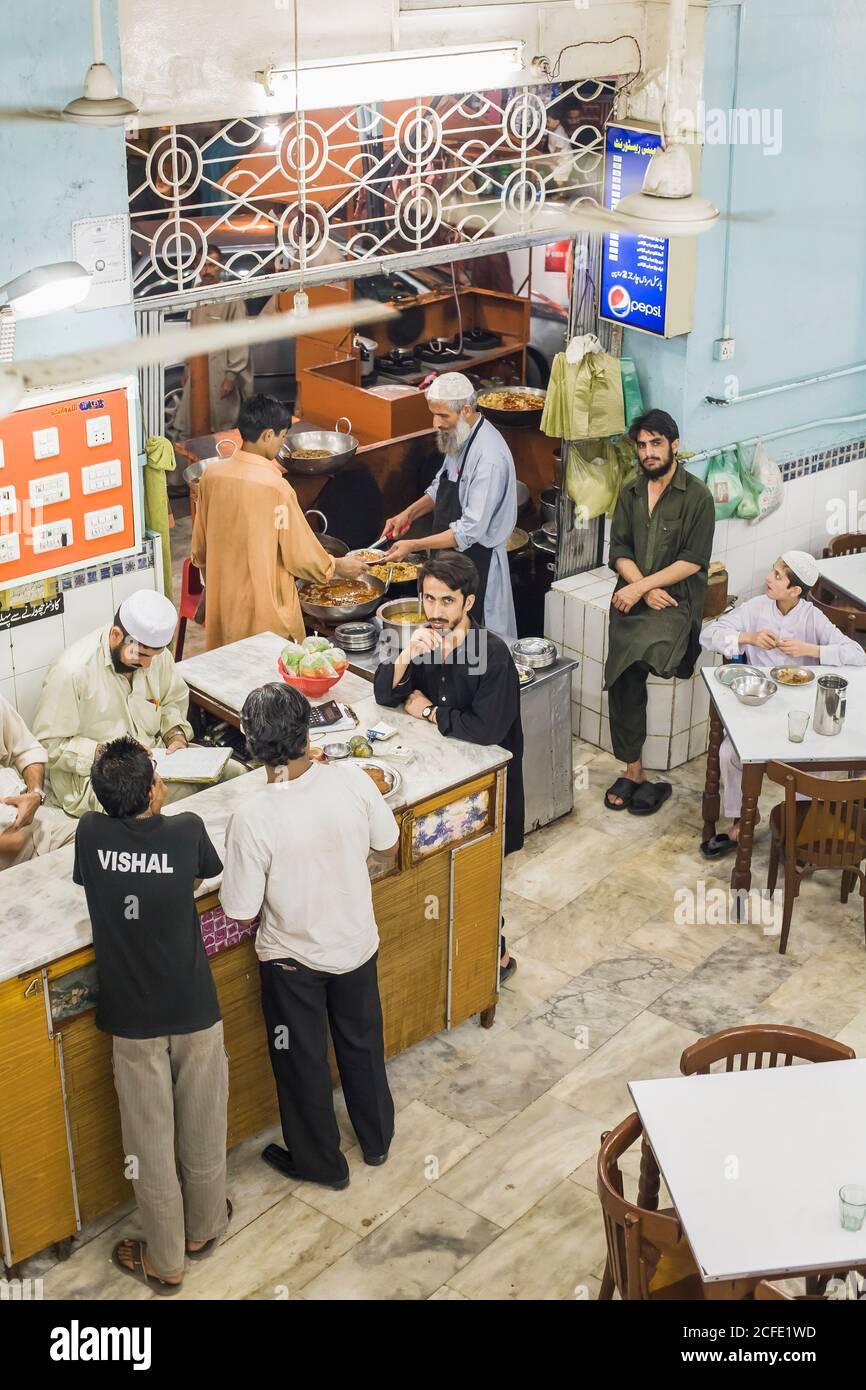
(481, 340)
(397, 363)
(440, 351)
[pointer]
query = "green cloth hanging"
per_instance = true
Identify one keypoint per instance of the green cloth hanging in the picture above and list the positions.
(159, 460)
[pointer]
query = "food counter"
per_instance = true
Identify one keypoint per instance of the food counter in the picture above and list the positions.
(438, 910)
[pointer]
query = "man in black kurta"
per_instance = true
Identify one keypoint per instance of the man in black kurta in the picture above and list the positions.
(461, 678)
(660, 544)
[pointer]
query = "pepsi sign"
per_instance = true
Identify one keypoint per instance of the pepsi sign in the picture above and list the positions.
(634, 269)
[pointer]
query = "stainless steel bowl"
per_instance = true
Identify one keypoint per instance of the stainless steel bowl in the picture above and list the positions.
(526, 674)
(754, 690)
(548, 504)
(726, 674)
(335, 751)
(341, 447)
(389, 616)
(538, 652)
(803, 671)
(357, 637)
(331, 613)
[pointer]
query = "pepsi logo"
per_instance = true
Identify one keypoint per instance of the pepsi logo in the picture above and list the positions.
(618, 301)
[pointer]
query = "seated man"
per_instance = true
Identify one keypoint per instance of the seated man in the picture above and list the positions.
(120, 679)
(251, 539)
(777, 628)
(471, 694)
(28, 827)
(660, 544)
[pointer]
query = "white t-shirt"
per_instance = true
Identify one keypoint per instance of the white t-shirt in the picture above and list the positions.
(298, 851)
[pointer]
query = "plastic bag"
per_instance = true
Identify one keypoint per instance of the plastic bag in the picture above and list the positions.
(768, 475)
(748, 510)
(631, 393)
(596, 472)
(725, 482)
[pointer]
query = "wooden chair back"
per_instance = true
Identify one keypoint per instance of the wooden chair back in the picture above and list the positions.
(848, 620)
(831, 832)
(851, 543)
(634, 1235)
(767, 1044)
(768, 1293)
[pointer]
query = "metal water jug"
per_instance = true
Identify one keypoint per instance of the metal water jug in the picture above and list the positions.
(830, 699)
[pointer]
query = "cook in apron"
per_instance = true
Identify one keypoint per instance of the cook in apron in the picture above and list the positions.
(448, 509)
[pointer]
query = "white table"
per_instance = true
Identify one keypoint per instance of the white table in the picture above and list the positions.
(759, 734)
(847, 573)
(754, 1161)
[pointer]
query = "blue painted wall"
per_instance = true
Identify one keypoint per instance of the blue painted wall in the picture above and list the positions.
(797, 272)
(51, 172)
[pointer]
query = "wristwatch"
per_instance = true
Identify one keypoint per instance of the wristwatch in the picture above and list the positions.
(427, 713)
(37, 791)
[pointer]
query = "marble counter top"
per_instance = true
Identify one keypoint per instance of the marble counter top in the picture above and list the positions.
(44, 916)
(230, 673)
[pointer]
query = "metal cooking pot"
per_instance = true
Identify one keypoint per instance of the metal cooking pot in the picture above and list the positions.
(333, 546)
(389, 612)
(342, 447)
(548, 504)
(330, 613)
(192, 474)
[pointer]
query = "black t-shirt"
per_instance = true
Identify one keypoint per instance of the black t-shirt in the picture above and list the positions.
(139, 877)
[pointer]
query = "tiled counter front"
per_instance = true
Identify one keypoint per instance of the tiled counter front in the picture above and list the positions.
(576, 618)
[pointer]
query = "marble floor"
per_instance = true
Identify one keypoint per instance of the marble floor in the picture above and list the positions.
(489, 1192)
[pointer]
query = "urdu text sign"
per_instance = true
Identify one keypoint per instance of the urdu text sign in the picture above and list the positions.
(634, 269)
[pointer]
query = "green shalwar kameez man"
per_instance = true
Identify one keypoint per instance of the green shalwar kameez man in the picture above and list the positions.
(660, 545)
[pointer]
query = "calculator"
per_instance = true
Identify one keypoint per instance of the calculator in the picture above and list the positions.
(323, 716)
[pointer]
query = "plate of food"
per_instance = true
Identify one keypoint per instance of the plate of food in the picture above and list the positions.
(512, 405)
(387, 779)
(340, 600)
(793, 675)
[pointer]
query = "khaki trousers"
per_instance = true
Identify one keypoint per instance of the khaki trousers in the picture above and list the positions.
(50, 829)
(173, 1095)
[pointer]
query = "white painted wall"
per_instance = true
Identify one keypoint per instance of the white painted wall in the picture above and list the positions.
(197, 60)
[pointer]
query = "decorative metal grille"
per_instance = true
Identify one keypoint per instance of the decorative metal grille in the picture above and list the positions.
(364, 188)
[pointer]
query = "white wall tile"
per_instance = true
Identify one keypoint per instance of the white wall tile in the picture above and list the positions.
(679, 749)
(682, 716)
(593, 637)
(720, 539)
(590, 692)
(798, 494)
(698, 736)
(28, 687)
(590, 726)
(605, 573)
(572, 632)
(740, 564)
(86, 609)
(554, 610)
(36, 645)
(659, 709)
(7, 690)
(602, 589)
(573, 583)
(5, 656)
(125, 584)
(656, 753)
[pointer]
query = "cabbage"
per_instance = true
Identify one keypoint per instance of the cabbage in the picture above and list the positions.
(316, 644)
(292, 656)
(336, 656)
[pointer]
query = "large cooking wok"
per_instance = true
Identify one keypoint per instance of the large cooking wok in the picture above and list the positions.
(343, 612)
(341, 446)
(515, 419)
(332, 544)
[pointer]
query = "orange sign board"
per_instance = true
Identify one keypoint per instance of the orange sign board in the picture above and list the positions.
(69, 488)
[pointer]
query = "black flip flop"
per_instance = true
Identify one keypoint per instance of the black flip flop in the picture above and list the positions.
(137, 1272)
(210, 1245)
(648, 798)
(717, 846)
(623, 787)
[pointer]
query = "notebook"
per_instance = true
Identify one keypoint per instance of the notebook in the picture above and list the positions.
(194, 764)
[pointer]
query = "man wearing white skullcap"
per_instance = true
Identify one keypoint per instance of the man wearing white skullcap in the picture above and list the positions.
(473, 499)
(120, 679)
(780, 627)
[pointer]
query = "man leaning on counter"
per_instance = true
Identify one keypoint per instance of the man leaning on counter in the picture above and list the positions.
(251, 540)
(27, 826)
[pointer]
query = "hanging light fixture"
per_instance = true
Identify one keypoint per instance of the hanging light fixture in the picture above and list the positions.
(101, 104)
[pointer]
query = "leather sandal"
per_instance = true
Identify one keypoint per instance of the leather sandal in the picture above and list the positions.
(648, 798)
(137, 1271)
(624, 788)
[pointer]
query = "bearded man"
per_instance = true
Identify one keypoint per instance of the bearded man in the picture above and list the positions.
(473, 499)
(661, 539)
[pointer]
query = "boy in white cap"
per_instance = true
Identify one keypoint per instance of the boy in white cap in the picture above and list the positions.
(473, 499)
(779, 626)
(120, 679)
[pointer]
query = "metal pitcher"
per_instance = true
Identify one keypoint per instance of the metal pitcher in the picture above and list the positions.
(830, 700)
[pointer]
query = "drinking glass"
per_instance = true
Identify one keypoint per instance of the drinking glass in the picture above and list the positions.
(798, 722)
(852, 1205)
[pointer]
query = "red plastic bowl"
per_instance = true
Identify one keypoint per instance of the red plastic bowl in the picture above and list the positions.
(311, 686)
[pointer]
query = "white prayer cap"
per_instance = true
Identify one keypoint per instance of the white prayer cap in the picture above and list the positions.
(803, 564)
(150, 618)
(451, 387)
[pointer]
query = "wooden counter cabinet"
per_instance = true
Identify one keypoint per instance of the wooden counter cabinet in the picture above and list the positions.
(61, 1154)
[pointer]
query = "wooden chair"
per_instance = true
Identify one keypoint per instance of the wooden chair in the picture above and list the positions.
(776, 1043)
(826, 832)
(768, 1293)
(191, 590)
(648, 1258)
(852, 543)
(851, 621)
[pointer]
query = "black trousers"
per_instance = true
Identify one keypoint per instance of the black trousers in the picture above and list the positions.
(627, 699)
(298, 1005)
